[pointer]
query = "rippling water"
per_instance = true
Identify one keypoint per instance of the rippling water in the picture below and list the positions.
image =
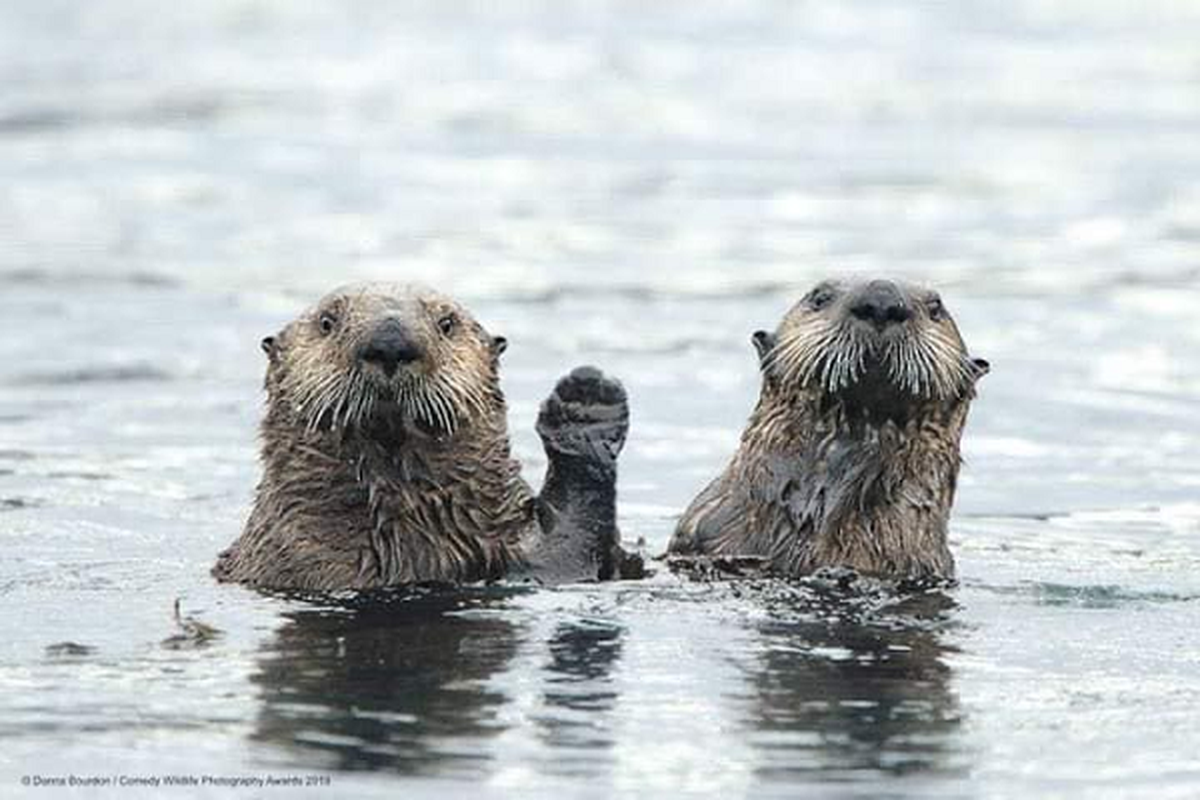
(640, 186)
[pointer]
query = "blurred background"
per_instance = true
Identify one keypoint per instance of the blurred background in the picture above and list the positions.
(640, 186)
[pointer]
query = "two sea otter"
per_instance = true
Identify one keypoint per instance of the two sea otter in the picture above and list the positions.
(386, 456)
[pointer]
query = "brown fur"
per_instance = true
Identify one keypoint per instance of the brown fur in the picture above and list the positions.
(851, 456)
(373, 480)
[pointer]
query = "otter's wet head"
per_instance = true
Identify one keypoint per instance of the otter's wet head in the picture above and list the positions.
(875, 344)
(386, 354)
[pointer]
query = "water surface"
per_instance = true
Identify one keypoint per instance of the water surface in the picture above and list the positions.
(639, 186)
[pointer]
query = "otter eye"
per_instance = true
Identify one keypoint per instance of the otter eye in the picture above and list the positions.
(819, 298)
(447, 323)
(937, 311)
(327, 323)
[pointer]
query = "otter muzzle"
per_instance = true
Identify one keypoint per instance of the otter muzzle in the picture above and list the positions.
(389, 348)
(881, 304)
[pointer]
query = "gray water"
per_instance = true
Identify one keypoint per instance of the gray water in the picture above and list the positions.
(638, 185)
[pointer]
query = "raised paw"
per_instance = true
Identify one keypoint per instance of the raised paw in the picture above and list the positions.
(587, 415)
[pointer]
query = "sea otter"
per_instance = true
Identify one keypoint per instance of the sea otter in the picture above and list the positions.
(851, 456)
(386, 460)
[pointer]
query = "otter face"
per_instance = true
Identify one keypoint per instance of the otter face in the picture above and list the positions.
(380, 352)
(876, 343)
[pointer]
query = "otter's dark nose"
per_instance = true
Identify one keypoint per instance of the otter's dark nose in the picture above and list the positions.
(389, 347)
(881, 303)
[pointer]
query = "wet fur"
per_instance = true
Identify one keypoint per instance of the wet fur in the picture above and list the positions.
(370, 482)
(851, 457)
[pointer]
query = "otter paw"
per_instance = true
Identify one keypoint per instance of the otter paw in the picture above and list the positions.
(586, 415)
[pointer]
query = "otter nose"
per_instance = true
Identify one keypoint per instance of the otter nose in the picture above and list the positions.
(881, 304)
(389, 347)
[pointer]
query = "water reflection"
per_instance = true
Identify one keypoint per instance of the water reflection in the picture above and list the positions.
(431, 684)
(399, 683)
(579, 696)
(838, 689)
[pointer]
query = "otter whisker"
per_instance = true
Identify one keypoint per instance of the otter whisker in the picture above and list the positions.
(353, 401)
(449, 417)
(468, 396)
(437, 407)
(429, 405)
(949, 364)
(307, 394)
(339, 409)
(795, 342)
(930, 378)
(905, 367)
(899, 364)
(418, 405)
(848, 351)
(321, 399)
(801, 353)
(368, 409)
(436, 414)
(319, 406)
(363, 397)
(346, 405)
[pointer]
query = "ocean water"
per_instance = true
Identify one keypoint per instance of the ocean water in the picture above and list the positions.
(639, 186)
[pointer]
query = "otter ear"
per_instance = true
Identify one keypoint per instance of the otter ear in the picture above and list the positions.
(499, 344)
(268, 345)
(981, 367)
(763, 343)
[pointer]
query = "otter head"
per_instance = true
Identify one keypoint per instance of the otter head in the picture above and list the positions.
(876, 348)
(378, 353)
